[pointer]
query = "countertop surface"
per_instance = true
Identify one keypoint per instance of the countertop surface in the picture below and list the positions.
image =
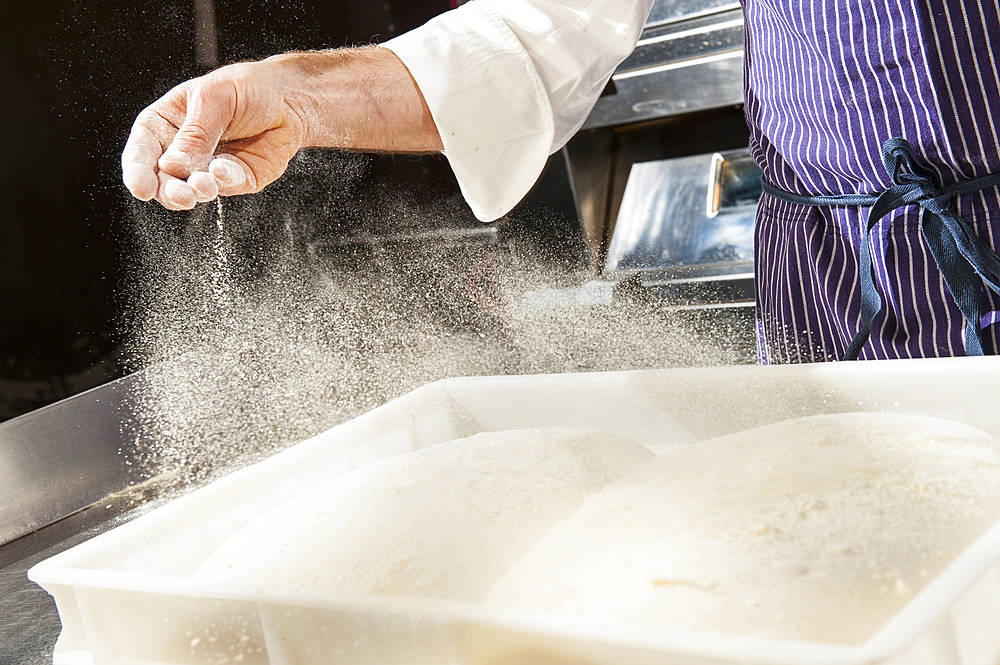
(29, 622)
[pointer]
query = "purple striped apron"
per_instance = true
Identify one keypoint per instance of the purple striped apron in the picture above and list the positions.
(828, 82)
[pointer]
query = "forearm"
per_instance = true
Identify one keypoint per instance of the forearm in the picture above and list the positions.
(357, 99)
(234, 130)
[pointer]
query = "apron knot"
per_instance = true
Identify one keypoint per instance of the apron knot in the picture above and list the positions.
(966, 262)
(913, 181)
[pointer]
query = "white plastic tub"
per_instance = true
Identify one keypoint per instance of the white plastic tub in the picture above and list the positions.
(127, 596)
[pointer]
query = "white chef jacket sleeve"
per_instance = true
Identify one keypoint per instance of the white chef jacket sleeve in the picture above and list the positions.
(508, 82)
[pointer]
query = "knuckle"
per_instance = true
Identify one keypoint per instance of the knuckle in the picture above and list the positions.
(194, 131)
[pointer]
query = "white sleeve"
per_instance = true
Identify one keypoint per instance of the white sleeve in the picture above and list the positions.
(508, 82)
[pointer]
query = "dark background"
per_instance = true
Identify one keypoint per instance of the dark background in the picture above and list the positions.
(73, 75)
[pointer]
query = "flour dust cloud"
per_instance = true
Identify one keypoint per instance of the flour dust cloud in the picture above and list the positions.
(255, 329)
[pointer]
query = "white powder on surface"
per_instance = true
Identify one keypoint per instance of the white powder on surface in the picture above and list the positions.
(445, 521)
(818, 528)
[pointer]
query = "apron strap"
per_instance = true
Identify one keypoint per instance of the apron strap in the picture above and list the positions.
(966, 261)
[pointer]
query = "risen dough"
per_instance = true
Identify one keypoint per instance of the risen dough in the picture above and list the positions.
(819, 528)
(445, 521)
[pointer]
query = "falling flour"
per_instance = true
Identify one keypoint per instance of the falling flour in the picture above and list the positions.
(255, 329)
(221, 296)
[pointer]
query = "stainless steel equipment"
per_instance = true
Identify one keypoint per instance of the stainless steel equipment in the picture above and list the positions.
(670, 219)
(59, 459)
(663, 182)
(688, 59)
(69, 471)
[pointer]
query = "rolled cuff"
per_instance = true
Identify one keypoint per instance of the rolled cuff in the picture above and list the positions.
(488, 102)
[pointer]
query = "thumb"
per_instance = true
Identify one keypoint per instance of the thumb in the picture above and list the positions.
(210, 109)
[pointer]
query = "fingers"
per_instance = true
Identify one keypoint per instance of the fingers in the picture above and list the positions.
(175, 194)
(210, 109)
(204, 186)
(174, 155)
(139, 158)
(144, 152)
(227, 175)
(232, 175)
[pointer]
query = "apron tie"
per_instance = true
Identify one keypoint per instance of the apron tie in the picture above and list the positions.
(965, 260)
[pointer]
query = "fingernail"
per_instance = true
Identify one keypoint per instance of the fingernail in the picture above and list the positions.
(179, 193)
(141, 182)
(230, 174)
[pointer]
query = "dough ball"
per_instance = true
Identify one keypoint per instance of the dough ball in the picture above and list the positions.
(818, 528)
(445, 521)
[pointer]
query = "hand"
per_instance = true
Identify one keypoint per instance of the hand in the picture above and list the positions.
(233, 131)
(230, 132)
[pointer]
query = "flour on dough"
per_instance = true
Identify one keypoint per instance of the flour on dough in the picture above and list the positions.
(445, 521)
(818, 528)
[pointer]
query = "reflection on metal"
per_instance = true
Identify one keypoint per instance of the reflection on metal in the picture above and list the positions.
(679, 228)
(731, 289)
(62, 458)
(206, 45)
(677, 68)
(684, 42)
(665, 11)
(670, 66)
(719, 31)
(664, 223)
(734, 183)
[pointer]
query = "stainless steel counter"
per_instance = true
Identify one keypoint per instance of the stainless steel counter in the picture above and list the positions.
(68, 473)
(29, 623)
(60, 459)
(64, 474)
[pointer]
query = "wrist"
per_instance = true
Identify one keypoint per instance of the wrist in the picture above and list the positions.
(298, 78)
(355, 98)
